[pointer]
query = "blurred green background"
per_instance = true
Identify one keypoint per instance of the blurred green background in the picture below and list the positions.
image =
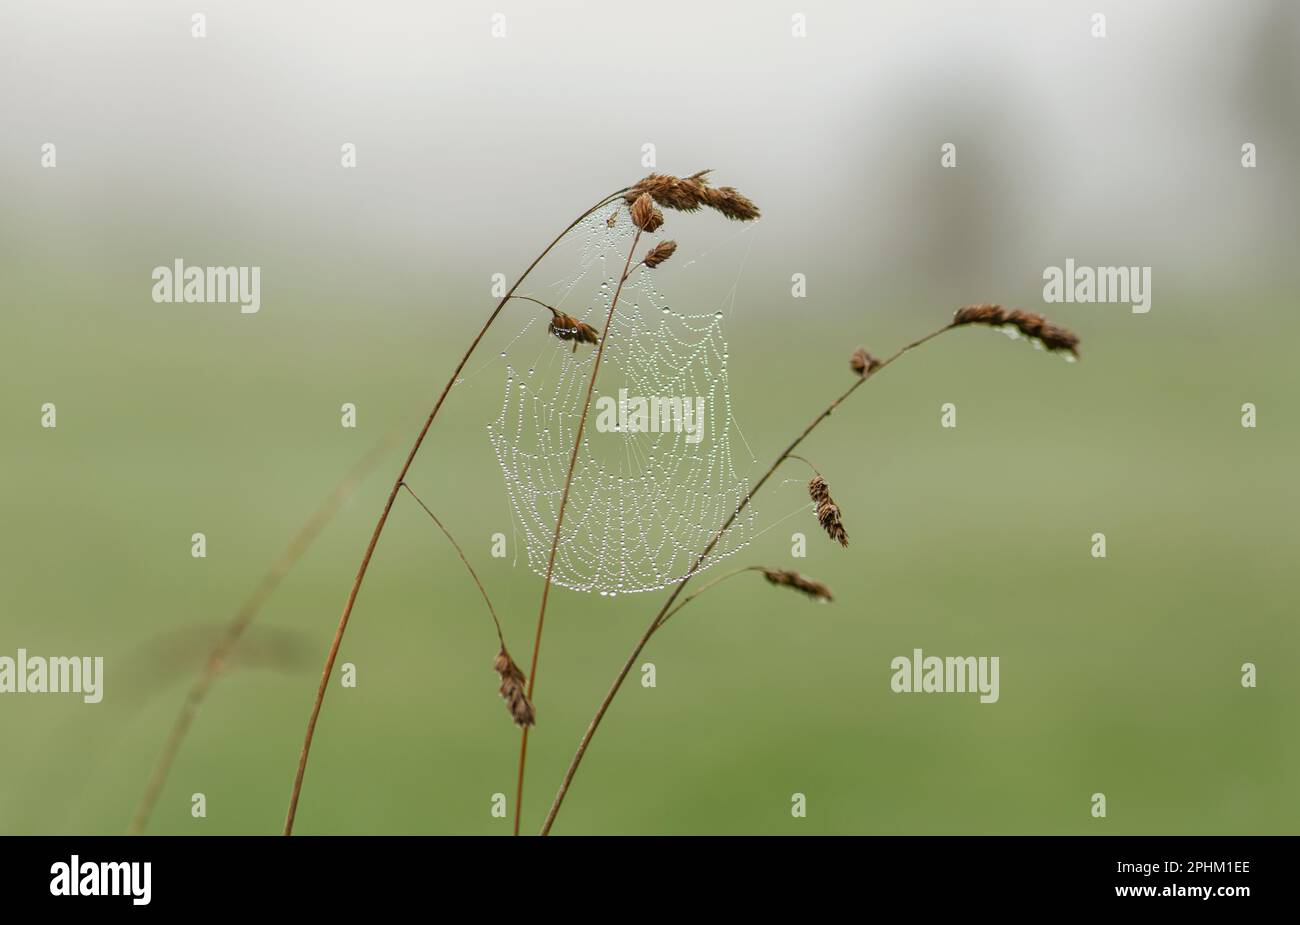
(1119, 675)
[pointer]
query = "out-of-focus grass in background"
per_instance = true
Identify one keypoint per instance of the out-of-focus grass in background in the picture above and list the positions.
(1118, 676)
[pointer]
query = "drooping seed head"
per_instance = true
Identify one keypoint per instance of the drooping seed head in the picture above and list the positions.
(688, 194)
(1030, 324)
(568, 328)
(1051, 336)
(731, 203)
(980, 314)
(659, 253)
(828, 512)
(828, 515)
(513, 690)
(788, 579)
(644, 214)
(684, 195)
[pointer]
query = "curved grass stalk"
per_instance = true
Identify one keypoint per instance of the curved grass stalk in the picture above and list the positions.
(332, 656)
(559, 520)
(667, 609)
(496, 622)
(707, 585)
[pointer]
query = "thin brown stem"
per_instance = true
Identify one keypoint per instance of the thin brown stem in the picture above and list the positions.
(460, 552)
(337, 641)
(244, 616)
(706, 586)
(559, 519)
(802, 460)
(528, 298)
(667, 606)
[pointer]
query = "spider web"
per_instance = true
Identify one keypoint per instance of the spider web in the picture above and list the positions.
(643, 502)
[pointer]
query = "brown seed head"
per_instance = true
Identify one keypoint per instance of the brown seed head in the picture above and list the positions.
(730, 203)
(980, 314)
(644, 214)
(829, 516)
(513, 690)
(684, 195)
(828, 512)
(659, 253)
(1051, 336)
(566, 327)
(788, 579)
(1029, 324)
(687, 194)
(862, 362)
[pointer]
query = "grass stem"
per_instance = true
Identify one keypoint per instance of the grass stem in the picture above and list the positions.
(559, 520)
(460, 552)
(332, 656)
(667, 607)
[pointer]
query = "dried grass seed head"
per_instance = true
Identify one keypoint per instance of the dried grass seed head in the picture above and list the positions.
(1030, 324)
(731, 203)
(688, 194)
(789, 579)
(659, 253)
(513, 690)
(644, 214)
(568, 328)
(684, 195)
(828, 512)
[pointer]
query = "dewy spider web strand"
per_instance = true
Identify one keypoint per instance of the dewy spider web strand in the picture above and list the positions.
(643, 503)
